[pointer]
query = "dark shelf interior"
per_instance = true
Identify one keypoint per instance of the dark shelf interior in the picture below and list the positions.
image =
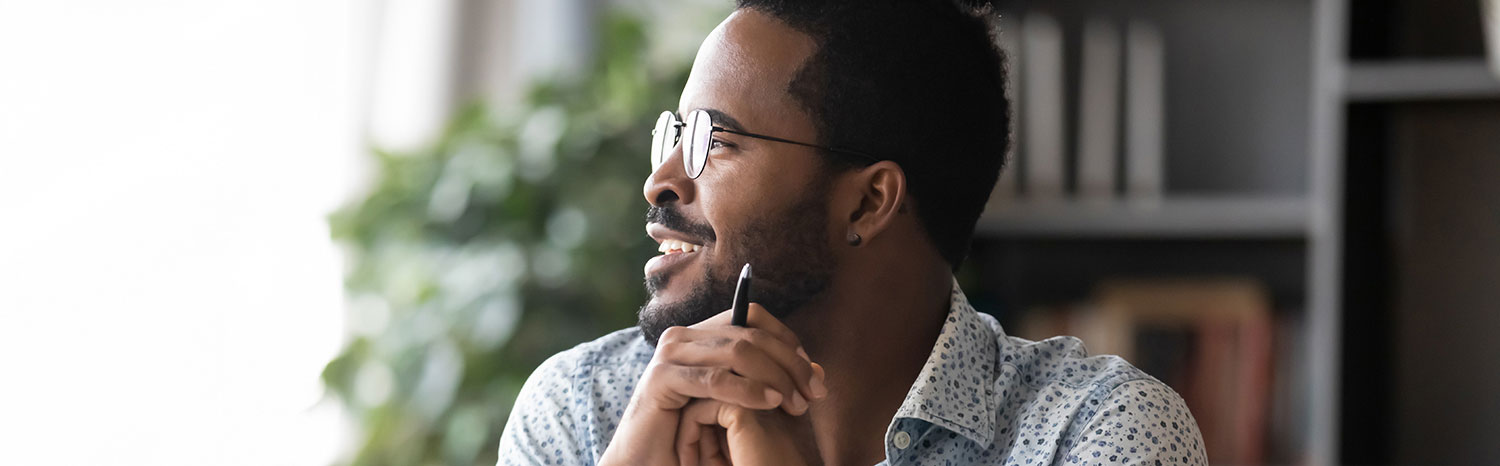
(1421, 308)
(1365, 434)
(1415, 29)
(1022, 274)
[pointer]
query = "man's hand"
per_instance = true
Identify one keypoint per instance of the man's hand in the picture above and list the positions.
(758, 367)
(714, 433)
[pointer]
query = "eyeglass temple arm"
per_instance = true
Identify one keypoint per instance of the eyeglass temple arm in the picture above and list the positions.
(803, 144)
(674, 124)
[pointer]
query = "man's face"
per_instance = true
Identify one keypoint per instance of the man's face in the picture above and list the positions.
(759, 202)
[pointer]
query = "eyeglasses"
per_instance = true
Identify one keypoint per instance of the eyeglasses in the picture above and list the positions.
(700, 130)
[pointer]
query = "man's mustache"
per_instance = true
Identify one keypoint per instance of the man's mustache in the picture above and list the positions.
(670, 218)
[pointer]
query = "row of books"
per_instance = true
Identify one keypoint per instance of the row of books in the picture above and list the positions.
(1117, 117)
(1216, 342)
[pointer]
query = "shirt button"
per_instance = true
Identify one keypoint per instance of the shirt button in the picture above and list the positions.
(902, 440)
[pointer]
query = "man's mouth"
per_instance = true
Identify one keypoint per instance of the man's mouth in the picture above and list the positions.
(672, 246)
(676, 250)
(675, 253)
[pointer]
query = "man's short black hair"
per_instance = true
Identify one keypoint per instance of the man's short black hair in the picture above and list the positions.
(918, 82)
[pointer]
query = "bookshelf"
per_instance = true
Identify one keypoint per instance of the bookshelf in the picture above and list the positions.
(1290, 132)
(1273, 114)
(1239, 189)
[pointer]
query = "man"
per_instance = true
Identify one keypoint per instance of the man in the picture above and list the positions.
(845, 150)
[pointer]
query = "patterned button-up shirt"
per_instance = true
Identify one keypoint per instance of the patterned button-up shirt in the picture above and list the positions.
(982, 398)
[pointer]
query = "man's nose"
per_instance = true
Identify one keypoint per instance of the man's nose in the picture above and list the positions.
(669, 182)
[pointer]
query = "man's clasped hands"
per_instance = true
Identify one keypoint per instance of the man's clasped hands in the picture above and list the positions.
(717, 394)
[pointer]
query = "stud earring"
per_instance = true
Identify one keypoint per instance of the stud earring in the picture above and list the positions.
(853, 239)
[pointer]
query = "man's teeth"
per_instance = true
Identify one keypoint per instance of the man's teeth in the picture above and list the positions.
(672, 246)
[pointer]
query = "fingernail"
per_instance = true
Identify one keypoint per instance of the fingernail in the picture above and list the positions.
(799, 404)
(803, 353)
(819, 390)
(773, 397)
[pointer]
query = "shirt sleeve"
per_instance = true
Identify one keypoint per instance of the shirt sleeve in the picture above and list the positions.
(543, 427)
(1141, 422)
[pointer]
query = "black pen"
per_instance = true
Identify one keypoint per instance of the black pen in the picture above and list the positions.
(741, 299)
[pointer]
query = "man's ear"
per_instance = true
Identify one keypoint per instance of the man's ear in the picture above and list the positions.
(879, 196)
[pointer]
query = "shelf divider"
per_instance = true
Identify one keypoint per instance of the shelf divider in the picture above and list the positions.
(1376, 81)
(1167, 218)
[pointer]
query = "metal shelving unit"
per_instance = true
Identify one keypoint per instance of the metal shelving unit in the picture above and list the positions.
(1254, 154)
(1264, 121)
(1324, 275)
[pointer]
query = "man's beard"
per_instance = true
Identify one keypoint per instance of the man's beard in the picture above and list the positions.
(789, 251)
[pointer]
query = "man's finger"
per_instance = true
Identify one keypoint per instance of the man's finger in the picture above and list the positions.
(757, 317)
(698, 442)
(689, 442)
(713, 447)
(810, 384)
(689, 438)
(682, 383)
(751, 353)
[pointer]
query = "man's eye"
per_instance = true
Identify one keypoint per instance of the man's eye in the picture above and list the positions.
(716, 143)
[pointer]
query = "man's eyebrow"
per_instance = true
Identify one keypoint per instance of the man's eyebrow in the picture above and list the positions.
(723, 120)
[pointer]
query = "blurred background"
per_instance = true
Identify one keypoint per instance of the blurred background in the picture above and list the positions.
(345, 231)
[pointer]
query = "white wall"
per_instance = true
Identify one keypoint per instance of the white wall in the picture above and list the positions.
(168, 292)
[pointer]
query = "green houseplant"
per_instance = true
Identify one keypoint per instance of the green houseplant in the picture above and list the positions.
(517, 235)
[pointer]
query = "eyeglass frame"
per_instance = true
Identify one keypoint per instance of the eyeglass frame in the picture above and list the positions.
(694, 172)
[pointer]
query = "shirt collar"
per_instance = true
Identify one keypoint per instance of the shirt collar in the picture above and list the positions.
(955, 389)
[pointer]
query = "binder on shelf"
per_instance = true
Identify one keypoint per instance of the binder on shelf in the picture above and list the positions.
(1489, 13)
(1145, 95)
(1098, 109)
(1289, 399)
(1210, 339)
(1042, 101)
(1226, 327)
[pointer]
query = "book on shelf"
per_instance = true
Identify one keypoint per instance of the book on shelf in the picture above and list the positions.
(1117, 144)
(1210, 339)
(1145, 94)
(1098, 109)
(1289, 398)
(1042, 100)
(1489, 13)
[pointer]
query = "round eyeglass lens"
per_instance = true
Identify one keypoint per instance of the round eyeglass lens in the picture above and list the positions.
(663, 137)
(695, 142)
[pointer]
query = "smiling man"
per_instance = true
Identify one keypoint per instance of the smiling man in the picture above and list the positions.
(846, 150)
